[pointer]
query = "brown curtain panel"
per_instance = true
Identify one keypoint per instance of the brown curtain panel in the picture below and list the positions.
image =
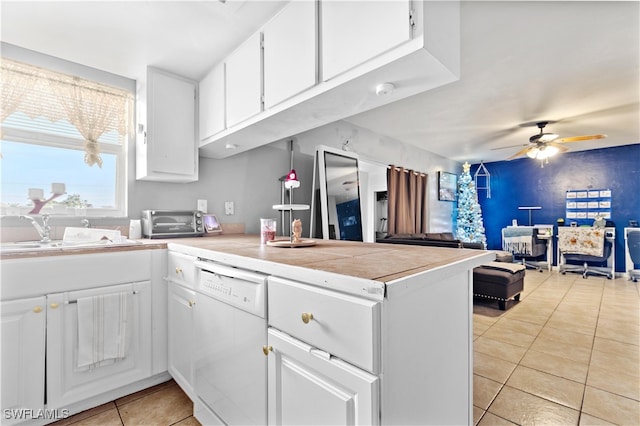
(407, 206)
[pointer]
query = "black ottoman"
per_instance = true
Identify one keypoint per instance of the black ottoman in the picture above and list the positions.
(503, 256)
(499, 280)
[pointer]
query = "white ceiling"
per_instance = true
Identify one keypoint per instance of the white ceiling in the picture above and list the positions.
(576, 63)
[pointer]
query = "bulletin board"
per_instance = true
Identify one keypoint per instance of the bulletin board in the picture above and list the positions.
(583, 205)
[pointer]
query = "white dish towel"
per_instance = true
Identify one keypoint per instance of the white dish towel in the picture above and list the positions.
(104, 324)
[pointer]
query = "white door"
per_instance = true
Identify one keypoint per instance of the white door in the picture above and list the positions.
(244, 81)
(171, 137)
(353, 32)
(66, 382)
(309, 387)
(181, 313)
(23, 352)
(212, 102)
(290, 52)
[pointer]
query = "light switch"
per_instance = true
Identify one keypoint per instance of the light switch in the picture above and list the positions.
(228, 208)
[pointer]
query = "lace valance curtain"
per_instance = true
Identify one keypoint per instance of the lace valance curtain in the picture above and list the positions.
(93, 108)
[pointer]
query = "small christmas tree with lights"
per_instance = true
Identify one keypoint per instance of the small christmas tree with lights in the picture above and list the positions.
(470, 228)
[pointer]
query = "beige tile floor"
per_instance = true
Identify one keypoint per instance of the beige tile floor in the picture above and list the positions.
(567, 353)
(162, 405)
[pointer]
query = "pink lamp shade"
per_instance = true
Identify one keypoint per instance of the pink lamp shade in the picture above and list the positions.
(292, 180)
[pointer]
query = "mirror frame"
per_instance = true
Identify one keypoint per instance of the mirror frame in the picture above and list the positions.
(319, 172)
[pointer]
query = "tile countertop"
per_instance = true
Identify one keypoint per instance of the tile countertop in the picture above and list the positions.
(366, 262)
(73, 250)
(370, 261)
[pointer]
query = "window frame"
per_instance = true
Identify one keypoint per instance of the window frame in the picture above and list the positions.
(55, 141)
(121, 150)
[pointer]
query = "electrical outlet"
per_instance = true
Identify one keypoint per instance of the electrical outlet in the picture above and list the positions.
(228, 208)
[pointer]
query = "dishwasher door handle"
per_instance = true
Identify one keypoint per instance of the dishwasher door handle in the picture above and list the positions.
(230, 272)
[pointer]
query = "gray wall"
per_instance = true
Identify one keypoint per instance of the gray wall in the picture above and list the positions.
(249, 179)
(380, 149)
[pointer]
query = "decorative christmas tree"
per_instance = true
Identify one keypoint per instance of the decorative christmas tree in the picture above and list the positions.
(470, 228)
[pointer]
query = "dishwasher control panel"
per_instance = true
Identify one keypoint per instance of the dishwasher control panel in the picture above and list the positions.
(246, 293)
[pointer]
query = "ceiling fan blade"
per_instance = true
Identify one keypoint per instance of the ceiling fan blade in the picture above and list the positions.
(579, 138)
(510, 146)
(561, 148)
(519, 153)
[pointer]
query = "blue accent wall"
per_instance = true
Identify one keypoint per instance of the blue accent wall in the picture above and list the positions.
(523, 182)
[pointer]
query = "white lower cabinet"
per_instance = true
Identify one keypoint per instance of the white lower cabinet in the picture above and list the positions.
(23, 351)
(181, 336)
(66, 381)
(323, 355)
(337, 353)
(41, 377)
(181, 279)
(309, 386)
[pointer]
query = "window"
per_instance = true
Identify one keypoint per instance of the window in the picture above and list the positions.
(62, 131)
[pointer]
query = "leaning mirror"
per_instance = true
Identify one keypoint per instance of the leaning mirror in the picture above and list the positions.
(337, 190)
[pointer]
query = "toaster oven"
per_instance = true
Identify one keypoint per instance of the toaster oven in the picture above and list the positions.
(172, 223)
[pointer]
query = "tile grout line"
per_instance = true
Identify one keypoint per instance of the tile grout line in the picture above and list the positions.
(593, 341)
(503, 385)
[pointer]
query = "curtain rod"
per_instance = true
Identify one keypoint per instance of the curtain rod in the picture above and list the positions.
(407, 170)
(76, 82)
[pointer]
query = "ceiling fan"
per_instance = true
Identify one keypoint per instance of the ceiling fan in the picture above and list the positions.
(544, 145)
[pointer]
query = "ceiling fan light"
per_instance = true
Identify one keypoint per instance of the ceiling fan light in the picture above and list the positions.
(542, 152)
(551, 151)
(533, 153)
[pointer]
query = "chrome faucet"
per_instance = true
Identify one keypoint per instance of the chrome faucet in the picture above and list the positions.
(43, 230)
(85, 222)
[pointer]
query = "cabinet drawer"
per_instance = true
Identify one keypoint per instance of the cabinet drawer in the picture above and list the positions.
(181, 269)
(343, 325)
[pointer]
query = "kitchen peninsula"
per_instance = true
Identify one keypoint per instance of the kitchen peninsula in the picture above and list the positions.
(387, 337)
(399, 315)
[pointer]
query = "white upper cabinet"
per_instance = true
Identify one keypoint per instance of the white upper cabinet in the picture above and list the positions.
(290, 52)
(169, 152)
(353, 32)
(321, 61)
(244, 81)
(212, 103)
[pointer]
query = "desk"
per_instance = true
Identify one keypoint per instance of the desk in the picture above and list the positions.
(545, 232)
(609, 235)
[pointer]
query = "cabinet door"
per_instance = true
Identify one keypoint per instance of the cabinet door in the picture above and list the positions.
(290, 52)
(66, 382)
(171, 139)
(244, 81)
(181, 312)
(23, 352)
(308, 386)
(212, 103)
(353, 32)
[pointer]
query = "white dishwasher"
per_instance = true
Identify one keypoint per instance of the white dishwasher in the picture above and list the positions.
(230, 368)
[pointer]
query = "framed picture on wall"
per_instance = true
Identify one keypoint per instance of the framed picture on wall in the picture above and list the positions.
(447, 186)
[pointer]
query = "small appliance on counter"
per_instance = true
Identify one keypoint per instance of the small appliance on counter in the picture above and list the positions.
(172, 223)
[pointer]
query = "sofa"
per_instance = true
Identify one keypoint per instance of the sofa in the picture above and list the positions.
(433, 239)
(501, 280)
